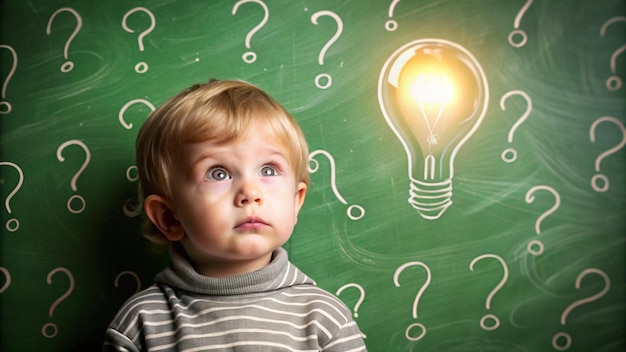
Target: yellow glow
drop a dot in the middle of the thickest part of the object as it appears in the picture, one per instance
(431, 88)
(435, 95)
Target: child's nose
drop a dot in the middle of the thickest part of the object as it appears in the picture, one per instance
(249, 193)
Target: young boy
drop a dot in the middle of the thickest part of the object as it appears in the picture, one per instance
(224, 171)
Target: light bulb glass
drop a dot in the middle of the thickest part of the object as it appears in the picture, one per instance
(433, 94)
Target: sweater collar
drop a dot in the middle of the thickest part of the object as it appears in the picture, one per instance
(279, 273)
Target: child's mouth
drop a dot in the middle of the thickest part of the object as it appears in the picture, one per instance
(251, 223)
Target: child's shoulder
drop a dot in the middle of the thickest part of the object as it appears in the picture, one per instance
(313, 295)
(152, 297)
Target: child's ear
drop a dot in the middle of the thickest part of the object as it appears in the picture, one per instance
(160, 212)
(300, 195)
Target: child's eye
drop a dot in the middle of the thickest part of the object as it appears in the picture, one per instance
(269, 170)
(218, 174)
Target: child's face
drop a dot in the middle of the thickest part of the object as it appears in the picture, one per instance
(237, 201)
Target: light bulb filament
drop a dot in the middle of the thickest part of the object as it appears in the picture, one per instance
(432, 89)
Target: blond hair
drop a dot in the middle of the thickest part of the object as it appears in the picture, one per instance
(217, 111)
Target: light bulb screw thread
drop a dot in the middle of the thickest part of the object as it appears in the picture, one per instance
(430, 199)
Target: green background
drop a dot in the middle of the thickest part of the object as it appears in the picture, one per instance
(563, 67)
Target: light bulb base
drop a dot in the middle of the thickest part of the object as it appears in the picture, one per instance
(430, 199)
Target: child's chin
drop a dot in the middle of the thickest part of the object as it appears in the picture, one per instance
(254, 245)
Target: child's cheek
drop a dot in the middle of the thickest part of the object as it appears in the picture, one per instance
(275, 183)
(278, 186)
(215, 190)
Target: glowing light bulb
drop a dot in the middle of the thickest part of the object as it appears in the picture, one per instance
(433, 94)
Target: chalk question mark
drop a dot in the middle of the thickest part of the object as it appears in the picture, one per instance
(131, 274)
(7, 275)
(5, 106)
(360, 212)
(493, 292)
(13, 224)
(141, 67)
(331, 41)
(568, 310)
(509, 155)
(76, 175)
(120, 115)
(361, 297)
(359, 301)
(45, 329)
(592, 136)
(392, 25)
(396, 275)
(131, 210)
(68, 65)
(250, 56)
(613, 83)
(517, 31)
(530, 197)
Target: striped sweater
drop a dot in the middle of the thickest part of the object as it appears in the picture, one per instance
(277, 308)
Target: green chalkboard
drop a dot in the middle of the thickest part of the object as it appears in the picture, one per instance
(506, 233)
